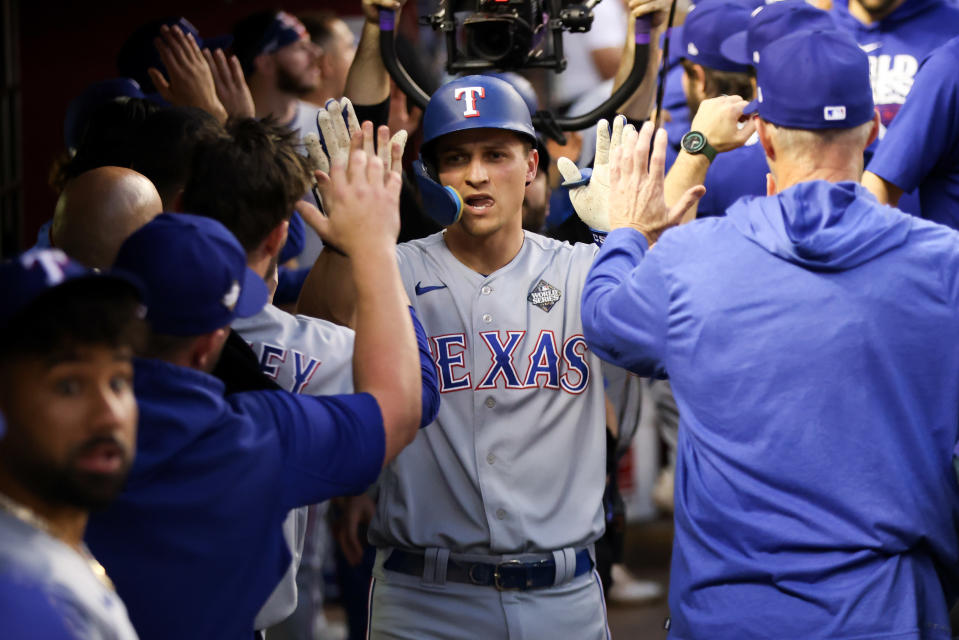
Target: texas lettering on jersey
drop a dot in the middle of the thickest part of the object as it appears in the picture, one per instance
(547, 365)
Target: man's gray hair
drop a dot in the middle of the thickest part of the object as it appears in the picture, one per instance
(806, 146)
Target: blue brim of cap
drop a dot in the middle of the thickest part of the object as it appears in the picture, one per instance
(751, 108)
(734, 47)
(253, 295)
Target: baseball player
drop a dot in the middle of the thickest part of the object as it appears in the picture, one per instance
(484, 525)
(67, 337)
(902, 162)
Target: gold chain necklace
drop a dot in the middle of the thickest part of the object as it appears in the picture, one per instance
(27, 516)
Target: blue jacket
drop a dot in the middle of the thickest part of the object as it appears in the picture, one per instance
(812, 343)
(194, 544)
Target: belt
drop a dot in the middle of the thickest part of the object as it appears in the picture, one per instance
(510, 575)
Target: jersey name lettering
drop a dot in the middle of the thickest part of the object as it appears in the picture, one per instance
(303, 367)
(547, 365)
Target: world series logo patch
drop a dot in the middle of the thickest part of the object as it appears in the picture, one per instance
(544, 295)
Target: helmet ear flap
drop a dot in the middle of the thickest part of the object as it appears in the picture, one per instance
(442, 204)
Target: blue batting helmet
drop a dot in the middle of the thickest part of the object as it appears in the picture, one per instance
(476, 102)
(470, 102)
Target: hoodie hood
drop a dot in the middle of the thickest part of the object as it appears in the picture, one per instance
(906, 11)
(820, 225)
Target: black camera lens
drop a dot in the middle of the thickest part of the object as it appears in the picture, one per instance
(502, 40)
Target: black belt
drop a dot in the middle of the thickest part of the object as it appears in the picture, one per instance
(510, 575)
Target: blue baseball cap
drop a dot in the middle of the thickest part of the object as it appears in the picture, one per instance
(24, 278)
(92, 98)
(195, 274)
(476, 102)
(706, 26)
(772, 22)
(813, 80)
(139, 53)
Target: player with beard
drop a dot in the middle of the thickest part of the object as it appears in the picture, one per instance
(279, 62)
(66, 371)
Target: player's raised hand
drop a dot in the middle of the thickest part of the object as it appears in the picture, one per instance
(722, 121)
(636, 197)
(362, 203)
(231, 86)
(190, 80)
(590, 196)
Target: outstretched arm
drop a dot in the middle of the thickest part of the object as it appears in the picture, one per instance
(368, 81)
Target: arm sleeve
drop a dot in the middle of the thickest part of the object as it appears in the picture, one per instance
(376, 113)
(327, 446)
(431, 390)
(926, 129)
(625, 305)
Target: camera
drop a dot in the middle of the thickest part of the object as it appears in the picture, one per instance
(487, 35)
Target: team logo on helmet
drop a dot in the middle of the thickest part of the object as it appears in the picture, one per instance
(469, 95)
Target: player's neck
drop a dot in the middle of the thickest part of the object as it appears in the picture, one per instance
(485, 254)
(268, 100)
(67, 523)
(868, 17)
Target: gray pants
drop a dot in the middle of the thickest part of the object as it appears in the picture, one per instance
(404, 607)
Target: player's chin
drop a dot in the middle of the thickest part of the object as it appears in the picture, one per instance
(96, 490)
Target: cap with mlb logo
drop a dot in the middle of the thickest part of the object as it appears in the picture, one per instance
(813, 80)
(194, 272)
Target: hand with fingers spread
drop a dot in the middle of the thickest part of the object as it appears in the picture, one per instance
(721, 120)
(190, 80)
(231, 87)
(371, 8)
(636, 197)
(591, 198)
(362, 203)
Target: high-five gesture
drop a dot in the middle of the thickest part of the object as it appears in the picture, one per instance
(636, 185)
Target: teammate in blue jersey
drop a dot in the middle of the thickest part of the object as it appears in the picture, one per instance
(896, 35)
(67, 337)
(921, 147)
(216, 476)
(810, 340)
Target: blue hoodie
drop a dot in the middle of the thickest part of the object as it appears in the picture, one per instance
(812, 342)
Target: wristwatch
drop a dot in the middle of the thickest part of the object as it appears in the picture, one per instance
(694, 142)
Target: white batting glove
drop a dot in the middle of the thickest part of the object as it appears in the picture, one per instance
(591, 197)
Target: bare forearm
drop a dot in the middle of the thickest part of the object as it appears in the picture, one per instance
(368, 81)
(385, 356)
(885, 191)
(639, 106)
(328, 292)
(687, 171)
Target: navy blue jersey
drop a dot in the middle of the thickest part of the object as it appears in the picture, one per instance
(194, 543)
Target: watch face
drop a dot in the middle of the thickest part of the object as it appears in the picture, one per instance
(693, 142)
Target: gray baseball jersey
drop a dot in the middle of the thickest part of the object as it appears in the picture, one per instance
(89, 609)
(303, 355)
(515, 461)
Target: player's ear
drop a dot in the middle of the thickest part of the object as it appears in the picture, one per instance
(765, 138)
(876, 124)
(532, 163)
(274, 241)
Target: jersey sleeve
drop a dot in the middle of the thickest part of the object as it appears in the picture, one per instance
(625, 305)
(327, 446)
(428, 374)
(926, 129)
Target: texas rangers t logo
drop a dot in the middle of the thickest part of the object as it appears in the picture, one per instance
(470, 93)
